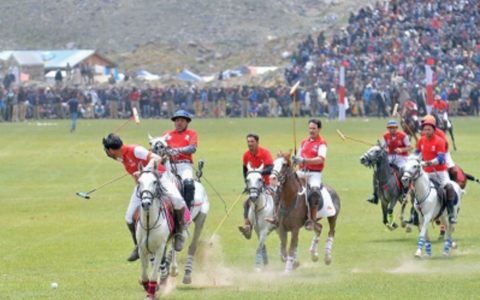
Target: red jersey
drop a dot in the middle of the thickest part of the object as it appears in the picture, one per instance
(311, 149)
(262, 156)
(430, 148)
(179, 140)
(134, 96)
(399, 140)
(440, 134)
(411, 107)
(440, 105)
(132, 155)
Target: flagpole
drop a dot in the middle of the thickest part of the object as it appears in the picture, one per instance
(293, 94)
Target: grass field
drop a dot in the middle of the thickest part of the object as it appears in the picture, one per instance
(47, 234)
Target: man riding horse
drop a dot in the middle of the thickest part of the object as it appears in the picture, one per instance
(311, 161)
(255, 156)
(433, 150)
(131, 156)
(398, 146)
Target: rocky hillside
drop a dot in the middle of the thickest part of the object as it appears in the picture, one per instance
(163, 35)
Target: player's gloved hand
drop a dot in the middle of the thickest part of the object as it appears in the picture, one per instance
(298, 160)
(173, 152)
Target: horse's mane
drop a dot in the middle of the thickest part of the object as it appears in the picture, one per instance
(286, 156)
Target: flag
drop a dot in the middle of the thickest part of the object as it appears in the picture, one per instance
(429, 83)
(342, 107)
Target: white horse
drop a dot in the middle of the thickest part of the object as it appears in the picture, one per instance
(198, 213)
(261, 208)
(428, 205)
(153, 231)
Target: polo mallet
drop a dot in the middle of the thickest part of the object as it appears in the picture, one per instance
(395, 109)
(472, 178)
(224, 219)
(293, 94)
(345, 137)
(86, 195)
(133, 117)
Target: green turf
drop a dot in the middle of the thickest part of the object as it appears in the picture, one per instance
(47, 234)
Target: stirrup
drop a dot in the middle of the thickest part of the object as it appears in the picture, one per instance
(309, 225)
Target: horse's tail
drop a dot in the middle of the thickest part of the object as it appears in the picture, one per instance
(472, 178)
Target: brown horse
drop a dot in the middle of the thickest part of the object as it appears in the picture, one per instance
(292, 212)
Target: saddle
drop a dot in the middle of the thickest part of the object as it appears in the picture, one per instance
(442, 196)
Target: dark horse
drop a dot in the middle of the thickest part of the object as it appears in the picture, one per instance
(292, 212)
(386, 182)
(445, 125)
(410, 125)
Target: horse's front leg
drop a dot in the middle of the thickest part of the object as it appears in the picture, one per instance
(423, 221)
(144, 264)
(315, 241)
(282, 233)
(292, 263)
(260, 248)
(199, 222)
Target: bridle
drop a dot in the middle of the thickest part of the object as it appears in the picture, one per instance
(152, 196)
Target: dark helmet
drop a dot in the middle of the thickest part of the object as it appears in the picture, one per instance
(182, 114)
(112, 141)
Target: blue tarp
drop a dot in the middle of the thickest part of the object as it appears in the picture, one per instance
(187, 75)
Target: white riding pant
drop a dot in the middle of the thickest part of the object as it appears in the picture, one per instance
(172, 193)
(449, 160)
(184, 170)
(398, 160)
(314, 179)
(441, 177)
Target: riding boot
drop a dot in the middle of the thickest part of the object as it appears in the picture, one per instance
(134, 255)
(310, 224)
(246, 229)
(450, 204)
(179, 226)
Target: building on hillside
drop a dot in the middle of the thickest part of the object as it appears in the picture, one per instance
(35, 64)
(23, 64)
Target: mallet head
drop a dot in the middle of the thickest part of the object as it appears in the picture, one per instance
(83, 195)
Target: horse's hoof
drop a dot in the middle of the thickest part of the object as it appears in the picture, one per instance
(427, 255)
(296, 264)
(408, 229)
(258, 270)
(328, 259)
(446, 254)
(173, 272)
(163, 282)
(144, 284)
(187, 279)
(403, 224)
(418, 253)
(314, 256)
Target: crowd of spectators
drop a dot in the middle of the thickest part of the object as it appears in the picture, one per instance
(384, 48)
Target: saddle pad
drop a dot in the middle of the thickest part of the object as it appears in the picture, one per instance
(328, 208)
(168, 208)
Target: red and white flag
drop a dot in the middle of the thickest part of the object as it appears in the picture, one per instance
(429, 82)
(342, 103)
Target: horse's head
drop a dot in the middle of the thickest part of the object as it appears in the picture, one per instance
(254, 182)
(373, 155)
(280, 167)
(158, 145)
(149, 186)
(412, 170)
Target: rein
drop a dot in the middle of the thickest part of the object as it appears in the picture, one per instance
(156, 195)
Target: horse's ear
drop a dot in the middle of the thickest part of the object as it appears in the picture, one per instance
(140, 167)
(150, 139)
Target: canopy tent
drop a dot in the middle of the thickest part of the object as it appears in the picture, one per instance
(187, 75)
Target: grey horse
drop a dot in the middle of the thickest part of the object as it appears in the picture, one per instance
(386, 181)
